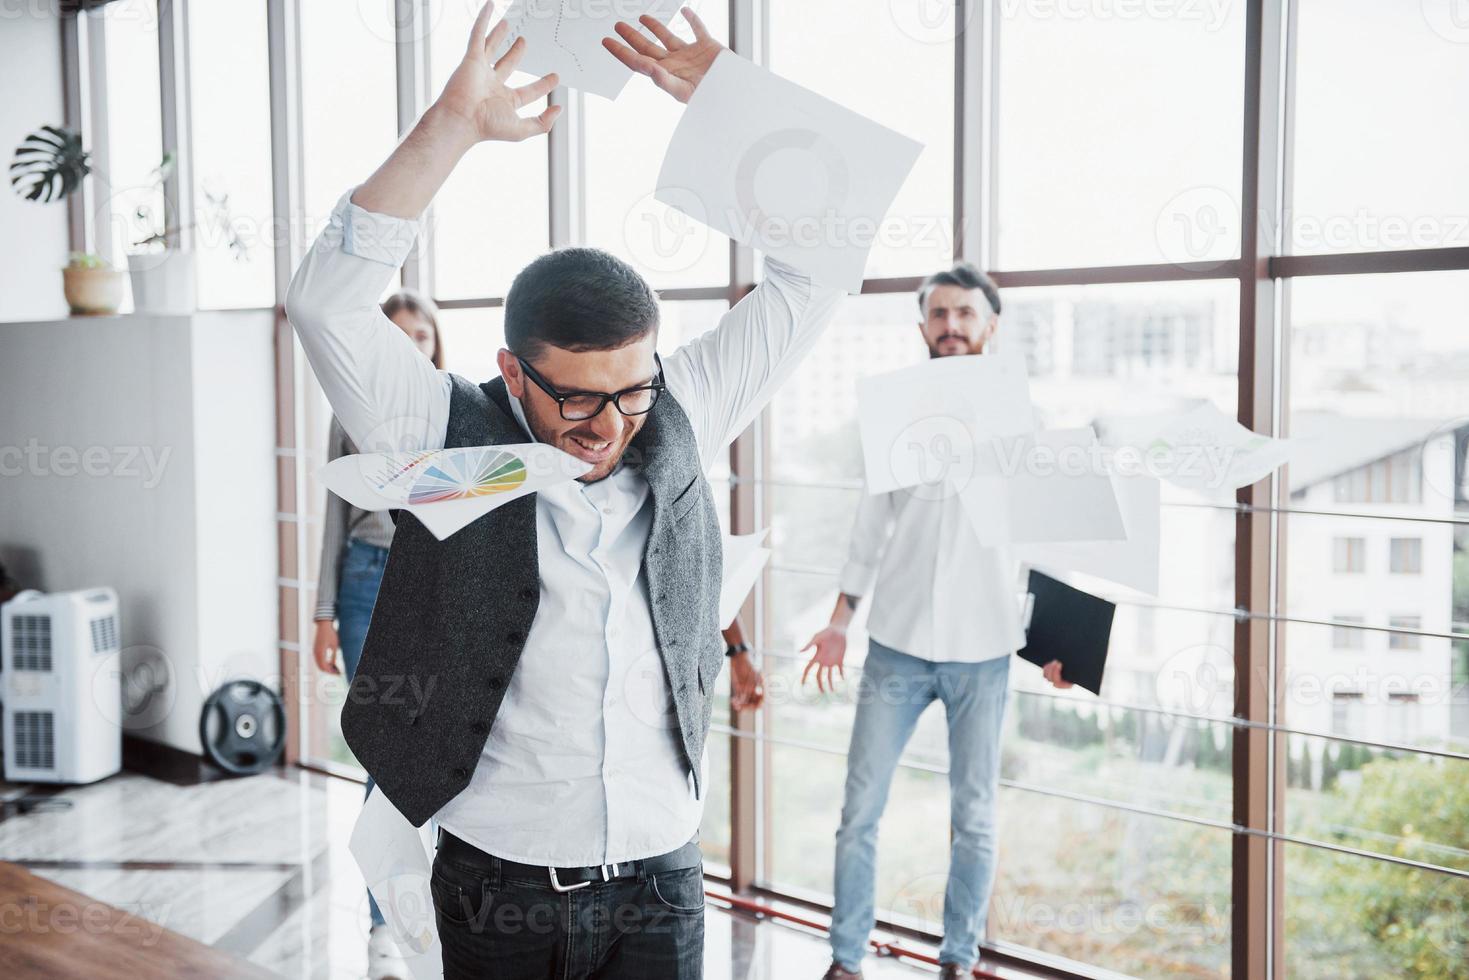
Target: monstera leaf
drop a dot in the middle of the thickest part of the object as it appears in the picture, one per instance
(49, 164)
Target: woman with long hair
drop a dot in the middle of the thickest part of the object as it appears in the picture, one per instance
(354, 552)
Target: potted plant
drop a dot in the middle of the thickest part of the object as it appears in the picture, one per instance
(162, 273)
(163, 277)
(50, 164)
(92, 286)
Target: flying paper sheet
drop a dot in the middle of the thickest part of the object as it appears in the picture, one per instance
(779, 168)
(744, 557)
(1041, 487)
(447, 489)
(925, 425)
(565, 36)
(1133, 562)
(1202, 449)
(394, 858)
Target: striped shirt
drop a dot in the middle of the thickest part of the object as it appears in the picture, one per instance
(344, 522)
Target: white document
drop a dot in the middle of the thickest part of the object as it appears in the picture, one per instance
(782, 169)
(1042, 487)
(744, 556)
(1202, 449)
(925, 425)
(1133, 562)
(565, 36)
(448, 489)
(396, 859)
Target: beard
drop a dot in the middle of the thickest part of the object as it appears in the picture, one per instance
(944, 346)
(562, 440)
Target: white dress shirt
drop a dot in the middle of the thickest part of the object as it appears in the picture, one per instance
(937, 593)
(583, 765)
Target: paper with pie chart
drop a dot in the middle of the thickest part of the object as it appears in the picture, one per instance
(447, 489)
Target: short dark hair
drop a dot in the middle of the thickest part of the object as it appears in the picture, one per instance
(965, 275)
(577, 299)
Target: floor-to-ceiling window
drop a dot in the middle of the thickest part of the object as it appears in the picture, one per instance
(1253, 203)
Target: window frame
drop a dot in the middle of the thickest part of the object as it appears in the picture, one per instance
(1262, 273)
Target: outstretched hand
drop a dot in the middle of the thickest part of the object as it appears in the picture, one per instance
(675, 65)
(477, 97)
(831, 651)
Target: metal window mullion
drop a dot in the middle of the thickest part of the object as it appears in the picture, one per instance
(1258, 763)
(566, 162)
(286, 144)
(74, 65)
(283, 35)
(975, 112)
(175, 118)
(411, 71)
(745, 796)
(94, 97)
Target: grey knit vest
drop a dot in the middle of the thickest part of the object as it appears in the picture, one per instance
(452, 616)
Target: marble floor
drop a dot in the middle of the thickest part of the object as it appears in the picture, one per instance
(259, 867)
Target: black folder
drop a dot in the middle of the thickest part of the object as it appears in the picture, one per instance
(1071, 626)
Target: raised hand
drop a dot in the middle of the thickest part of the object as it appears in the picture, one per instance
(477, 97)
(676, 66)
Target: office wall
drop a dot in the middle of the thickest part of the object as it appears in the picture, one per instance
(32, 236)
(138, 452)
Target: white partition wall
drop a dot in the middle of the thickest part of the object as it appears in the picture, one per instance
(139, 455)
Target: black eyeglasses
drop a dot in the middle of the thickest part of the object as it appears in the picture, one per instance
(578, 406)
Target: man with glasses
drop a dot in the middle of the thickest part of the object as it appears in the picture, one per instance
(566, 644)
(943, 622)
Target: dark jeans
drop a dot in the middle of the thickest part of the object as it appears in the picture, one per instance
(510, 927)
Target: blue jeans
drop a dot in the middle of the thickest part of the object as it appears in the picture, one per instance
(362, 573)
(894, 690)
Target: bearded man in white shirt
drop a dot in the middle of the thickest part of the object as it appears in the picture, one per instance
(559, 654)
(943, 622)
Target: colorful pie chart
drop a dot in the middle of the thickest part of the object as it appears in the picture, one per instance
(457, 474)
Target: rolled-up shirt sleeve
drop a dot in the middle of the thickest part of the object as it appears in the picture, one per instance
(385, 393)
(870, 533)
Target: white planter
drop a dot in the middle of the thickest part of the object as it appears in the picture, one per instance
(163, 282)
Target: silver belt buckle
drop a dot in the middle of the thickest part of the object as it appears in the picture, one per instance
(556, 885)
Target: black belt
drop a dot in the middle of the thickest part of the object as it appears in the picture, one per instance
(462, 852)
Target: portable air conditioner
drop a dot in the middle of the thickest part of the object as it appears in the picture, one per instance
(63, 691)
